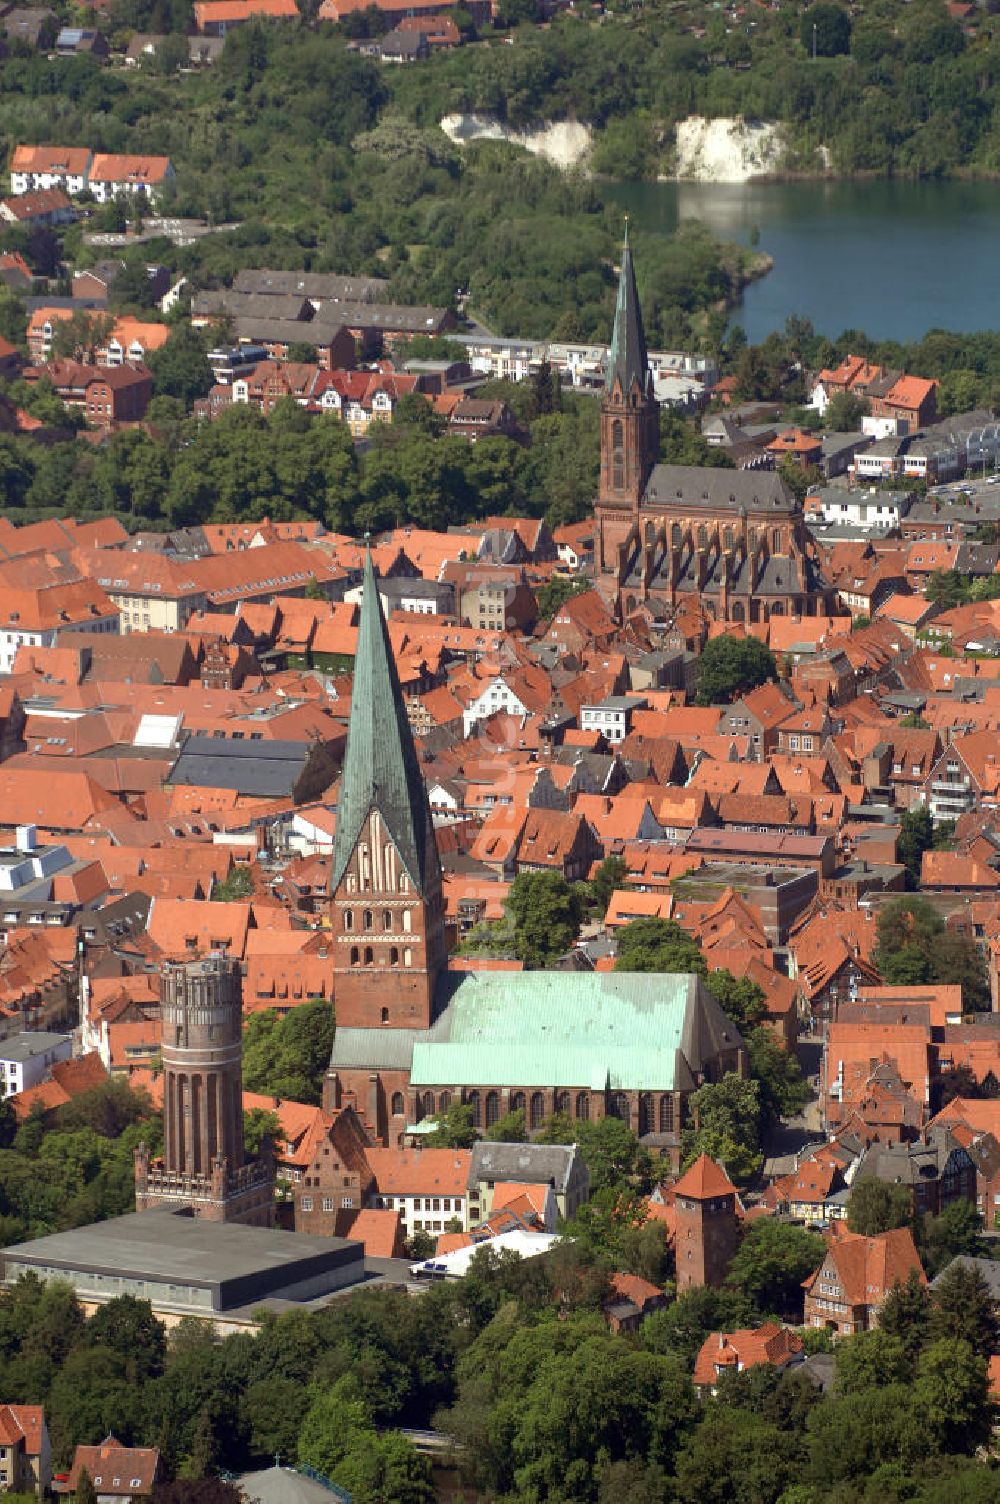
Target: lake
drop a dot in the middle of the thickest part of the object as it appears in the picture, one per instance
(892, 259)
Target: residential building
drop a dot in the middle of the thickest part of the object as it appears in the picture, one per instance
(112, 176)
(25, 1452)
(558, 1166)
(735, 1352)
(856, 1275)
(427, 1187)
(214, 18)
(33, 615)
(26, 1059)
(119, 1474)
(39, 167)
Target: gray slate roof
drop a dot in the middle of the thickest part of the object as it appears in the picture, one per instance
(281, 1485)
(531, 1164)
(267, 769)
(698, 486)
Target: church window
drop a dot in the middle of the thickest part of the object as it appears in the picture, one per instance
(727, 537)
(582, 1106)
(354, 955)
(517, 1101)
(387, 919)
(428, 1104)
(562, 1101)
(666, 1114)
(647, 1122)
(676, 535)
(475, 1105)
(397, 1096)
(618, 1107)
(407, 956)
(444, 1101)
(385, 1015)
(369, 955)
(394, 955)
(537, 1109)
(348, 919)
(364, 862)
(703, 536)
(492, 1108)
(407, 921)
(404, 883)
(367, 919)
(776, 540)
(617, 434)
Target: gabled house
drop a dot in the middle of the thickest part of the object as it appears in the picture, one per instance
(734, 1352)
(846, 1291)
(25, 1453)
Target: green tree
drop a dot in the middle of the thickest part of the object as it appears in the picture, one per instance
(952, 1389)
(681, 1328)
(336, 1422)
(658, 945)
(870, 1360)
(128, 1327)
(271, 1410)
(825, 28)
(730, 666)
(725, 1125)
(86, 1493)
(916, 835)
(288, 1056)
(962, 1309)
(180, 367)
(772, 1261)
(844, 410)
(509, 1129)
(239, 884)
(905, 1313)
(735, 1458)
(259, 1124)
(913, 947)
(386, 1469)
(877, 1206)
(455, 1128)
(742, 999)
(610, 876)
(301, 350)
(560, 589)
(784, 1090)
(547, 912)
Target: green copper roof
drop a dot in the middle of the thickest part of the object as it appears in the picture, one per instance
(605, 1030)
(381, 768)
(628, 360)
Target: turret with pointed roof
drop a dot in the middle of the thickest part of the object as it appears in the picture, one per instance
(705, 1220)
(385, 882)
(630, 428)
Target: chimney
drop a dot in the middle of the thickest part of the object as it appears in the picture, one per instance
(26, 838)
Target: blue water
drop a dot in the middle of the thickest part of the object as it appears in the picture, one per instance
(892, 259)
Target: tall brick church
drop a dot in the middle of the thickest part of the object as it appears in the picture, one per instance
(736, 539)
(413, 1037)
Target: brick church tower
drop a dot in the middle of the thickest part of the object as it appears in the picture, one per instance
(386, 905)
(707, 1231)
(203, 1165)
(630, 424)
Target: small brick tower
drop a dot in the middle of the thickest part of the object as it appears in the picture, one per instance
(386, 907)
(707, 1229)
(203, 1165)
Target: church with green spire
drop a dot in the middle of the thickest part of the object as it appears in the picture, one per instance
(730, 544)
(413, 1037)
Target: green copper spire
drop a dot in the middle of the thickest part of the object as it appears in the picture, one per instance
(381, 769)
(627, 359)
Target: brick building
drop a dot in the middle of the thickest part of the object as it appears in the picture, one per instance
(736, 541)
(412, 1038)
(706, 1227)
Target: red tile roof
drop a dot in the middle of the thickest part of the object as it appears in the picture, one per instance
(704, 1180)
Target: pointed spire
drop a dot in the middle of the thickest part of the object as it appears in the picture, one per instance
(381, 768)
(628, 360)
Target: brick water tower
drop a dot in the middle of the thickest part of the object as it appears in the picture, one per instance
(204, 1166)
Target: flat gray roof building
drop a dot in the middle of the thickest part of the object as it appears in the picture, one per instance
(186, 1264)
